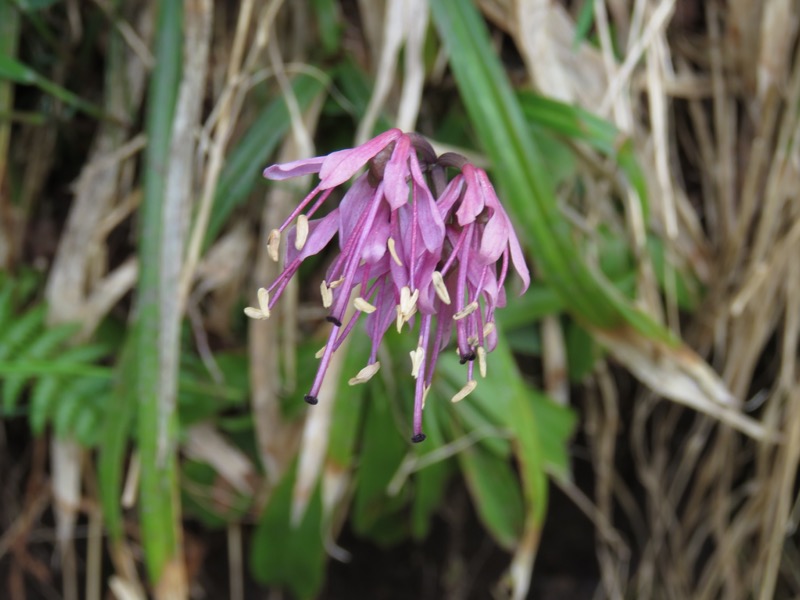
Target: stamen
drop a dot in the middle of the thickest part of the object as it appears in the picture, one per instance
(425, 391)
(302, 232)
(408, 301)
(310, 399)
(417, 358)
(393, 251)
(407, 306)
(327, 295)
(363, 305)
(334, 320)
(320, 352)
(254, 313)
(466, 311)
(465, 391)
(488, 329)
(334, 284)
(482, 361)
(417, 438)
(263, 300)
(472, 340)
(274, 244)
(262, 312)
(365, 374)
(440, 287)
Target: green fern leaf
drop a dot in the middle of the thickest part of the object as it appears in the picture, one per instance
(51, 338)
(86, 428)
(20, 331)
(43, 398)
(6, 304)
(41, 347)
(88, 354)
(12, 388)
(84, 394)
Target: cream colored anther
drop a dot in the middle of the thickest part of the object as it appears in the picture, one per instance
(262, 312)
(274, 244)
(393, 251)
(440, 287)
(417, 358)
(465, 391)
(363, 306)
(482, 361)
(466, 311)
(327, 295)
(407, 306)
(301, 232)
(365, 374)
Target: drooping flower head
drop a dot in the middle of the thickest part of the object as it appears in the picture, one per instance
(410, 241)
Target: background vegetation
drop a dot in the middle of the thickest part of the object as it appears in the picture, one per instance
(637, 435)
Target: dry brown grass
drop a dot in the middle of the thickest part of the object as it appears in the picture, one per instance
(711, 101)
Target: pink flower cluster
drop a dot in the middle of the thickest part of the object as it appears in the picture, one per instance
(410, 241)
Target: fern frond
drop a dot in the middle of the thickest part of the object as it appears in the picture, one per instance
(43, 398)
(50, 339)
(20, 331)
(86, 427)
(81, 395)
(6, 304)
(88, 354)
(42, 347)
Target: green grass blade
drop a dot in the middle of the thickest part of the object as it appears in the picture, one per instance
(583, 126)
(571, 121)
(159, 499)
(114, 441)
(584, 22)
(500, 125)
(13, 70)
(329, 25)
(501, 128)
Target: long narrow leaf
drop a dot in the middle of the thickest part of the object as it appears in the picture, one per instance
(159, 508)
(500, 124)
(15, 71)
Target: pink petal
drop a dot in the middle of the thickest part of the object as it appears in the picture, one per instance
(430, 222)
(381, 320)
(487, 280)
(494, 238)
(352, 206)
(340, 166)
(396, 173)
(375, 245)
(320, 233)
(518, 259)
(449, 196)
(473, 202)
(294, 169)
